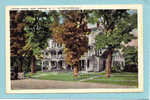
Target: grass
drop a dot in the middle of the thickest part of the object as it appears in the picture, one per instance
(124, 78)
(120, 80)
(59, 76)
(52, 76)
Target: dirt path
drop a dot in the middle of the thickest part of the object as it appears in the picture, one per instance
(52, 84)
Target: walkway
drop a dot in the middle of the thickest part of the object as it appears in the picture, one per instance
(52, 84)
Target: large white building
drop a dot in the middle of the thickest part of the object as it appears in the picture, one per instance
(92, 60)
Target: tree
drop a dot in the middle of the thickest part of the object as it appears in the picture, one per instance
(115, 27)
(17, 38)
(72, 34)
(130, 54)
(37, 25)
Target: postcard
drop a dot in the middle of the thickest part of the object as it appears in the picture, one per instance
(74, 49)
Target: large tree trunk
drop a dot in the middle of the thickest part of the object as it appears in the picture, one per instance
(108, 62)
(33, 65)
(75, 70)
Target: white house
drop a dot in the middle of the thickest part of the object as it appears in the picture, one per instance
(91, 61)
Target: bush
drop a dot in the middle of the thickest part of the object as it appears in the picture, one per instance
(131, 68)
(116, 69)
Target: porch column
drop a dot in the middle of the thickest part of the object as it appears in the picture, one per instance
(81, 63)
(56, 63)
(50, 55)
(49, 67)
(86, 69)
(42, 66)
(121, 64)
(57, 54)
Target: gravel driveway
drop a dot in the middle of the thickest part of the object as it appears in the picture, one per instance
(52, 84)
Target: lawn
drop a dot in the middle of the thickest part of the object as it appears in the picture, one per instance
(51, 76)
(123, 78)
(129, 80)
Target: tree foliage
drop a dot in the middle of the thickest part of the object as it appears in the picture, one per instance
(131, 55)
(17, 39)
(37, 32)
(115, 27)
(37, 25)
(72, 34)
(17, 33)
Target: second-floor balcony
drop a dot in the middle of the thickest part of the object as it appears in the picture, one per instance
(54, 56)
